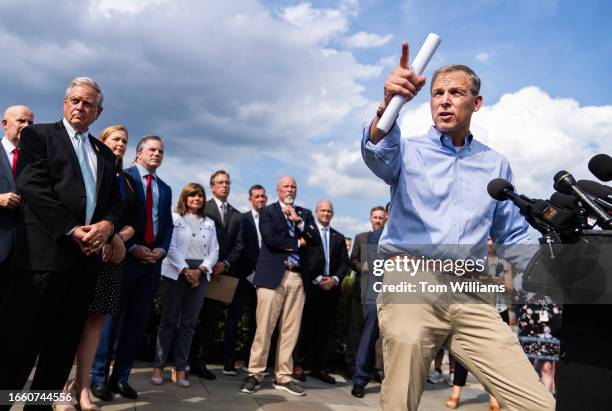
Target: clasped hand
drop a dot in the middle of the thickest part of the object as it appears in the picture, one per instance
(193, 275)
(91, 238)
(145, 255)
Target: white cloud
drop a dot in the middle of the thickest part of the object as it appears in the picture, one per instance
(208, 75)
(108, 7)
(350, 226)
(366, 40)
(483, 57)
(322, 25)
(341, 172)
(539, 134)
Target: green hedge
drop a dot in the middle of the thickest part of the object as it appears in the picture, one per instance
(337, 340)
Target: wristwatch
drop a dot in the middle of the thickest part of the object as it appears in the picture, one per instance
(380, 111)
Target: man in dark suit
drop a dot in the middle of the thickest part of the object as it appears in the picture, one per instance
(15, 119)
(358, 262)
(326, 264)
(122, 332)
(66, 178)
(245, 292)
(228, 224)
(370, 333)
(287, 232)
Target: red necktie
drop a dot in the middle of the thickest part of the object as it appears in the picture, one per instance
(15, 157)
(149, 227)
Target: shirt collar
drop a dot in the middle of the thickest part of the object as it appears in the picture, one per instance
(446, 141)
(219, 202)
(8, 145)
(144, 172)
(71, 131)
(322, 226)
(254, 213)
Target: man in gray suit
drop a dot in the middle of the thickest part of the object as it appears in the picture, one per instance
(15, 119)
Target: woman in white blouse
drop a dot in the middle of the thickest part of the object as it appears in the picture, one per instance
(186, 270)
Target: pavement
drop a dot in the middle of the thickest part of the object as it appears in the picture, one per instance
(223, 394)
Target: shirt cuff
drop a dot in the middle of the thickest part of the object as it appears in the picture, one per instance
(336, 279)
(317, 280)
(69, 233)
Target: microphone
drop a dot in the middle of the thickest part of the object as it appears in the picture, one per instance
(542, 215)
(571, 203)
(601, 194)
(566, 184)
(601, 167)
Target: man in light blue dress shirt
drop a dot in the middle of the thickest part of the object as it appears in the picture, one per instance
(439, 203)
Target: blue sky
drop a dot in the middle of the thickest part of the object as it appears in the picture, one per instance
(268, 88)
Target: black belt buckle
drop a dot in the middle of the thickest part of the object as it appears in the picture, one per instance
(291, 267)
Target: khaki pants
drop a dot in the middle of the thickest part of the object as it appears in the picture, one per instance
(475, 335)
(286, 302)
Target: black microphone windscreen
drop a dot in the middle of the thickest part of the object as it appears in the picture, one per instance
(601, 167)
(564, 200)
(596, 189)
(497, 187)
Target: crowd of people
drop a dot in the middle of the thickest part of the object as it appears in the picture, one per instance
(87, 243)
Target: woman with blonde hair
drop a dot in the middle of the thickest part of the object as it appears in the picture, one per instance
(186, 270)
(105, 298)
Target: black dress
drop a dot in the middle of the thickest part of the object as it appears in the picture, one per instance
(105, 298)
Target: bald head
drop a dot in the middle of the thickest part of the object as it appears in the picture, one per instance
(286, 189)
(324, 212)
(15, 119)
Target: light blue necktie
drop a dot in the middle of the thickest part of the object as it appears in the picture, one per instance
(325, 251)
(88, 178)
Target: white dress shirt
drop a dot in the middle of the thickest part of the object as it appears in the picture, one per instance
(8, 148)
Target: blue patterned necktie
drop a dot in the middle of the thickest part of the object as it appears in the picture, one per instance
(325, 250)
(294, 258)
(88, 178)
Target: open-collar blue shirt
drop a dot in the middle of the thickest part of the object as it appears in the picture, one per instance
(439, 193)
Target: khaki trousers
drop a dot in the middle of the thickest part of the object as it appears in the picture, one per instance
(283, 304)
(475, 335)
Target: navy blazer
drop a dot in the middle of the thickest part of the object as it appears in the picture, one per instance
(277, 244)
(250, 252)
(164, 222)
(8, 218)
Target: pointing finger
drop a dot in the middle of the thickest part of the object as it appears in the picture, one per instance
(405, 54)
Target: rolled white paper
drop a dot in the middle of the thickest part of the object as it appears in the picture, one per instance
(418, 65)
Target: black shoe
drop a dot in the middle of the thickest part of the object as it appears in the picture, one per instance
(101, 390)
(250, 385)
(358, 391)
(124, 389)
(291, 387)
(231, 371)
(323, 376)
(202, 371)
(379, 376)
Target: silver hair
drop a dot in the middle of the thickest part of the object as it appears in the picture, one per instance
(475, 89)
(86, 81)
